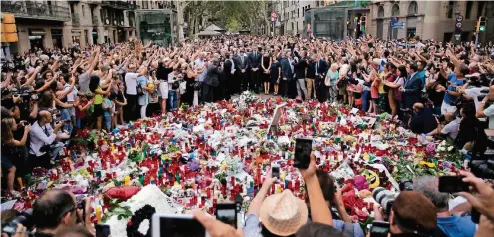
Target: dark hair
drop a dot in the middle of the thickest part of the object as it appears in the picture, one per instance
(413, 66)
(464, 70)
(94, 83)
(265, 233)
(386, 53)
(403, 71)
(73, 231)
(50, 207)
(315, 229)
(326, 182)
(46, 99)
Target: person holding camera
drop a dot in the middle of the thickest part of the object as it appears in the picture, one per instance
(448, 224)
(333, 198)
(12, 151)
(486, 109)
(57, 209)
(411, 215)
(42, 136)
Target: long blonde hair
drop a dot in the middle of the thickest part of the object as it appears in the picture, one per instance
(7, 125)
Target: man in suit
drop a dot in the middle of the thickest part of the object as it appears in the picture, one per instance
(211, 80)
(321, 71)
(236, 77)
(412, 88)
(254, 65)
(243, 66)
(228, 71)
(286, 74)
(300, 64)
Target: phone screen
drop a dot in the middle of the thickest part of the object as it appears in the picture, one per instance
(227, 213)
(452, 184)
(180, 227)
(303, 148)
(275, 172)
(102, 230)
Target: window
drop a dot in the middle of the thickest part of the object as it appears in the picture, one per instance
(83, 10)
(303, 11)
(451, 6)
(395, 11)
(411, 32)
(480, 8)
(380, 12)
(412, 8)
(468, 13)
(298, 12)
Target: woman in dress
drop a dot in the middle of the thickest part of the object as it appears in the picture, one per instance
(275, 74)
(266, 67)
(190, 79)
(394, 94)
(330, 83)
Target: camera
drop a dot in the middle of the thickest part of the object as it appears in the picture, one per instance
(23, 218)
(482, 168)
(384, 197)
(406, 185)
(25, 93)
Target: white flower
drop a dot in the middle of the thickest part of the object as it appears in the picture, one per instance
(450, 148)
(440, 148)
(144, 227)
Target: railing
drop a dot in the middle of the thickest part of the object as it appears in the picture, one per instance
(36, 10)
(119, 4)
(75, 19)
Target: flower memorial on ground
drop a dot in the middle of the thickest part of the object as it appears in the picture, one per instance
(197, 157)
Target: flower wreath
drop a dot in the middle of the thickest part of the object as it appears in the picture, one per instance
(145, 213)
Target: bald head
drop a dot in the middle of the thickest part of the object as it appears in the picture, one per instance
(53, 209)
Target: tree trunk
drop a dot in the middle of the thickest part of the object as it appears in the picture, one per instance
(180, 20)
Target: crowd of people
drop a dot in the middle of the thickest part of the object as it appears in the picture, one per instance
(437, 89)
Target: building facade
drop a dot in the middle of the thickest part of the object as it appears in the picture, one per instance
(40, 24)
(428, 19)
(48, 24)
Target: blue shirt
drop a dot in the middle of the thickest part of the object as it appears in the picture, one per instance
(449, 99)
(422, 76)
(456, 226)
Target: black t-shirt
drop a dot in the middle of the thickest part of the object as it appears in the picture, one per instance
(38, 234)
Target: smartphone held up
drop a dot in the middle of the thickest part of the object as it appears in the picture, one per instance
(303, 148)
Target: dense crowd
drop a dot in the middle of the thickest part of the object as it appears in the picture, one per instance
(436, 89)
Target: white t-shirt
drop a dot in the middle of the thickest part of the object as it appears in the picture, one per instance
(131, 82)
(489, 112)
(451, 128)
(84, 80)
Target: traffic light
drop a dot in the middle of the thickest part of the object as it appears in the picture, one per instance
(362, 22)
(9, 30)
(481, 24)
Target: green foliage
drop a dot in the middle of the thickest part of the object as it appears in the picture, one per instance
(119, 209)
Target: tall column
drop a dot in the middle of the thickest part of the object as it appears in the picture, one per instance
(90, 36)
(101, 35)
(432, 20)
(99, 26)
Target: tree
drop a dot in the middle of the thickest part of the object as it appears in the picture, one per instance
(227, 13)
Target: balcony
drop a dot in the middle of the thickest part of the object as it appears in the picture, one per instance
(119, 5)
(36, 10)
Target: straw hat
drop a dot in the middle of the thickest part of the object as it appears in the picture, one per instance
(283, 213)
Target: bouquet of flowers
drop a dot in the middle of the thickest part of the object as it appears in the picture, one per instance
(447, 151)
